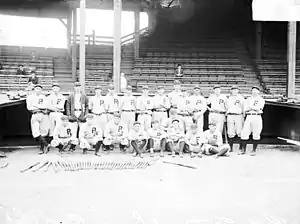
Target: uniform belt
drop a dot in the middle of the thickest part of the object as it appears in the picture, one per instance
(112, 112)
(185, 115)
(233, 114)
(253, 114)
(99, 113)
(160, 110)
(38, 112)
(144, 112)
(218, 112)
(63, 137)
(128, 110)
(175, 107)
(77, 109)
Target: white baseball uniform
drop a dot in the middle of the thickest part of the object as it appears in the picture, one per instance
(63, 135)
(89, 135)
(199, 107)
(128, 108)
(113, 105)
(161, 103)
(56, 104)
(235, 117)
(115, 133)
(98, 106)
(218, 109)
(144, 108)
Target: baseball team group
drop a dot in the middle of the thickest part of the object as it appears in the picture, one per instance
(161, 123)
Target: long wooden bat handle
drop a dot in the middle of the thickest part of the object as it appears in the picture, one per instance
(179, 164)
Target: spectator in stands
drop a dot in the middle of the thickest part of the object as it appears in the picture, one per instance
(33, 79)
(123, 82)
(21, 70)
(1, 66)
(179, 71)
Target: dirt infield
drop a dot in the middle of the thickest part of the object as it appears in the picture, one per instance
(238, 189)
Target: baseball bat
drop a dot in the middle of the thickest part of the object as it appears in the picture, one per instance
(30, 167)
(40, 167)
(290, 141)
(48, 166)
(225, 132)
(182, 165)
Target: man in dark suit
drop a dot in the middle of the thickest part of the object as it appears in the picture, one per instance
(21, 70)
(77, 107)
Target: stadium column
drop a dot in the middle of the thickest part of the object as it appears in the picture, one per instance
(69, 26)
(258, 40)
(117, 44)
(136, 33)
(74, 48)
(292, 37)
(82, 45)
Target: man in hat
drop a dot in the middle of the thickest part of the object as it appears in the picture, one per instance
(113, 102)
(218, 107)
(175, 139)
(144, 109)
(157, 138)
(185, 110)
(235, 116)
(21, 70)
(193, 141)
(199, 107)
(253, 109)
(90, 135)
(175, 95)
(161, 104)
(138, 139)
(128, 108)
(213, 141)
(63, 137)
(40, 125)
(33, 79)
(98, 107)
(115, 134)
(56, 106)
(77, 107)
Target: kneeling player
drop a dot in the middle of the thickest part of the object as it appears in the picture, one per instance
(115, 134)
(213, 142)
(193, 141)
(138, 139)
(157, 138)
(175, 139)
(90, 135)
(63, 136)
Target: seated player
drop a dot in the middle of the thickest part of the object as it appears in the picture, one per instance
(115, 134)
(213, 142)
(193, 141)
(138, 139)
(63, 136)
(167, 123)
(90, 135)
(157, 139)
(175, 139)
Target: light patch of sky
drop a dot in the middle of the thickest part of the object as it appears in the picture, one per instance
(46, 32)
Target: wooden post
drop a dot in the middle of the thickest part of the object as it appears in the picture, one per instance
(94, 37)
(117, 44)
(258, 40)
(69, 27)
(292, 38)
(136, 34)
(74, 46)
(82, 45)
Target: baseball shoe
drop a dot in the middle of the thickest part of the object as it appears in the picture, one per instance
(181, 155)
(84, 151)
(252, 153)
(199, 155)
(161, 154)
(141, 156)
(193, 155)
(173, 154)
(241, 153)
(97, 154)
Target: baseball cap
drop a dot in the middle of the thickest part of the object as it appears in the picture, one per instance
(216, 86)
(175, 120)
(64, 118)
(38, 85)
(32, 71)
(177, 82)
(155, 122)
(212, 123)
(160, 87)
(234, 87)
(136, 122)
(145, 87)
(77, 84)
(173, 111)
(55, 84)
(255, 87)
(196, 87)
(111, 86)
(90, 116)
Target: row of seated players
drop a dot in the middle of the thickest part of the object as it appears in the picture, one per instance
(188, 109)
(173, 139)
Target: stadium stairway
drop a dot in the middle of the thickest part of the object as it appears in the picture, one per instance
(63, 73)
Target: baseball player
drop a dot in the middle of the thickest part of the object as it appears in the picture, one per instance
(193, 141)
(161, 104)
(173, 116)
(185, 110)
(113, 103)
(138, 139)
(40, 124)
(144, 109)
(98, 107)
(235, 116)
(218, 107)
(56, 106)
(157, 138)
(115, 134)
(175, 139)
(254, 106)
(175, 95)
(63, 136)
(199, 108)
(213, 141)
(128, 108)
(90, 135)
(77, 107)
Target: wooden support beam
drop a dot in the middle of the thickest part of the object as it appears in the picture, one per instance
(74, 46)
(82, 44)
(63, 22)
(136, 34)
(258, 40)
(291, 77)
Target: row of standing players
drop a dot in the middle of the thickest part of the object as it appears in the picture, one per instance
(115, 116)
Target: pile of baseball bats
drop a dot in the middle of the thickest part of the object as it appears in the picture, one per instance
(71, 165)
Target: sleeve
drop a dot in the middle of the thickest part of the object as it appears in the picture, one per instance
(36, 80)
(49, 103)
(139, 102)
(204, 105)
(145, 135)
(68, 106)
(29, 103)
(226, 103)
(106, 103)
(187, 138)
(260, 105)
(167, 103)
(208, 101)
(243, 104)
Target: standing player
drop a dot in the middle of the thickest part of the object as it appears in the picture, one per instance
(193, 141)
(40, 124)
(218, 107)
(185, 110)
(113, 102)
(98, 107)
(161, 104)
(77, 107)
(90, 135)
(144, 109)
(175, 139)
(254, 106)
(138, 139)
(56, 106)
(128, 108)
(175, 95)
(157, 139)
(235, 116)
(63, 136)
(199, 108)
(115, 134)
(213, 141)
